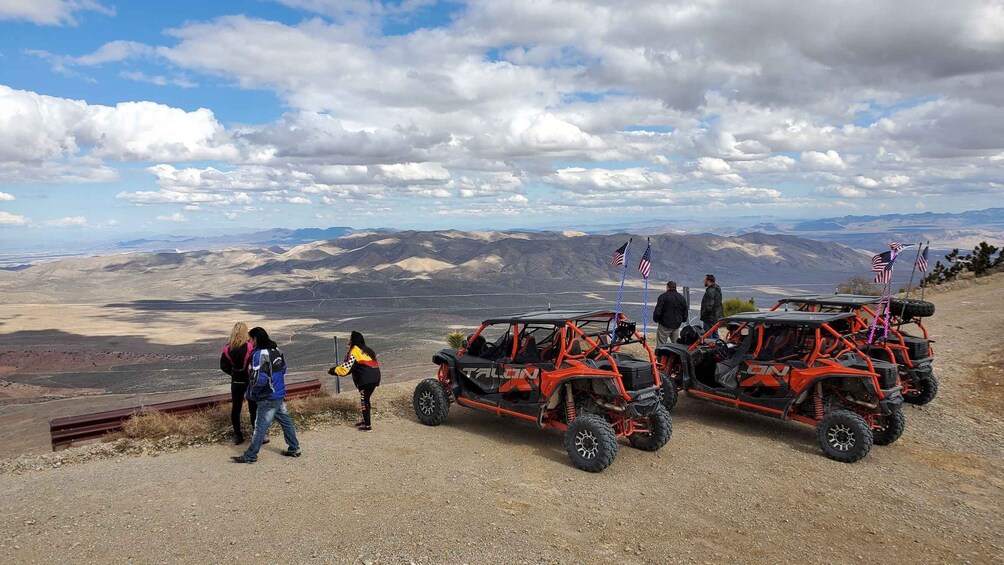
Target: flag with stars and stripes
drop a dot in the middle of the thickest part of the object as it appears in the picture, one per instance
(922, 260)
(882, 266)
(619, 255)
(645, 265)
(897, 247)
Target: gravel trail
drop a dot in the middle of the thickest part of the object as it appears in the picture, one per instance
(729, 487)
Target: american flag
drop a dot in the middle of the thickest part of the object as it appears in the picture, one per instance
(897, 247)
(882, 266)
(645, 265)
(619, 255)
(922, 260)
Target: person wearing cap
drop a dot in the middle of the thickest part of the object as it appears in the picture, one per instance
(670, 313)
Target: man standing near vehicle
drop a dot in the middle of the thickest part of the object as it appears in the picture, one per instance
(670, 312)
(711, 304)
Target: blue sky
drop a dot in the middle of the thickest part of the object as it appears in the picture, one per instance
(133, 118)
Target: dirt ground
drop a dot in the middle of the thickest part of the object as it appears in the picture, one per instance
(729, 487)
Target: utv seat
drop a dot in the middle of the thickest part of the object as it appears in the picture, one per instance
(727, 371)
(528, 353)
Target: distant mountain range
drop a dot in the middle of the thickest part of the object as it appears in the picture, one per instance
(422, 262)
(944, 230)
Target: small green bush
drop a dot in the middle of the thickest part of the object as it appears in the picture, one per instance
(858, 285)
(456, 340)
(736, 305)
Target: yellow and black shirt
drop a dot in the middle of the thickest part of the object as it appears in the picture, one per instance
(364, 369)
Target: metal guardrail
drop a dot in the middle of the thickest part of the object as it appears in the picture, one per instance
(65, 431)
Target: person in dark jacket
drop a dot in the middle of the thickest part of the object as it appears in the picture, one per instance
(361, 362)
(670, 312)
(267, 386)
(711, 304)
(234, 361)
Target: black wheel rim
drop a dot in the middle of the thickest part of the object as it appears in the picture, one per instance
(426, 403)
(840, 437)
(586, 444)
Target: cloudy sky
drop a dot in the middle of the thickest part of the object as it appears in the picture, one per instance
(170, 117)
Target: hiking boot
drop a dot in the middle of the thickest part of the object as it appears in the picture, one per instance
(238, 439)
(365, 428)
(242, 459)
(290, 452)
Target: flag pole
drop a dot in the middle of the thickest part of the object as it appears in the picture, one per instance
(923, 286)
(644, 310)
(620, 293)
(909, 286)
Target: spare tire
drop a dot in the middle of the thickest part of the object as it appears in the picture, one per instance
(910, 308)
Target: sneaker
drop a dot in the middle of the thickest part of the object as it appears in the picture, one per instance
(291, 452)
(238, 439)
(359, 424)
(365, 428)
(242, 459)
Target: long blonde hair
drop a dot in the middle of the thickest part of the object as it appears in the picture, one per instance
(239, 335)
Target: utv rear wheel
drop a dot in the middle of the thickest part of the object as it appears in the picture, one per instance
(430, 402)
(926, 390)
(909, 308)
(660, 425)
(591, 443)
(888, 428)
(844, 436)
(669, 392)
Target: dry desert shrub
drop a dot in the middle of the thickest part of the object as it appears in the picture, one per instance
(151, 424)
(214, 424)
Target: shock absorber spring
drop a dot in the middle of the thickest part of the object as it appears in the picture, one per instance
(818, 401)
(569, 404)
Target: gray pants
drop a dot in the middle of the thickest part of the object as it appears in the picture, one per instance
(666, 335)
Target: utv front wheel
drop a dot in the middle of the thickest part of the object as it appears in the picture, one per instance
(926, 390)
(430, 402)
(889, 428)
(591, 443)
(844, 436)
(660, 425)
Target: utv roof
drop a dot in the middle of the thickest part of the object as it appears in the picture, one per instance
(551, 317)
(813, 319)
(851, 300)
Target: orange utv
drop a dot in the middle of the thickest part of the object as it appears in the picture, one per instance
(794, 366)
(906, 342)
(565, 370)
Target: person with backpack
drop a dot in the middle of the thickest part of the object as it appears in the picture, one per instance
(361, 362)
(267, 387)
(234, 361)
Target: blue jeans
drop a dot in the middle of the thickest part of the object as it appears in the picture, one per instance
(707, 326)
(269, 410)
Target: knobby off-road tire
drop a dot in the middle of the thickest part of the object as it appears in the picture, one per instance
(927, 389)
(910, 308)
(891, 427)
(591, 443)
(669, 392)
(661, 424)
(844, 436)
(430, 402)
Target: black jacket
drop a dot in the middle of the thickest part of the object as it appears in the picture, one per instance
(234, 361)
(670, 310)
(711, 304)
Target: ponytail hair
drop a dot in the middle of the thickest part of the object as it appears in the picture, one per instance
(357, 339)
